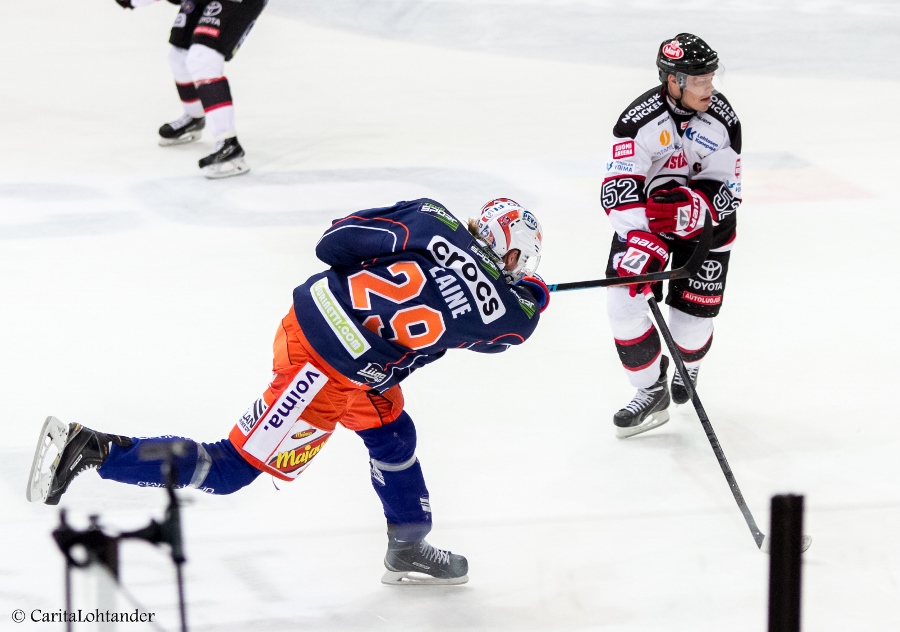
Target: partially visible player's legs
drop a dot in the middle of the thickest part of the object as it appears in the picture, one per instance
(640, 351)
(693, 304)
(189, 126)
(398, 481)
(216, 38)
(66, 450)
(693, 335)
(215, 468)
(207, 68)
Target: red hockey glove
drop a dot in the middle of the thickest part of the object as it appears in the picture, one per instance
(538, 288)
(675, 210)
(646, 253)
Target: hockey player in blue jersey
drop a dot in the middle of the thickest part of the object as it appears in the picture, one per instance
(405, 284)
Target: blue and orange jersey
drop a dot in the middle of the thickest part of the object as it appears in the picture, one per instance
(406, 283)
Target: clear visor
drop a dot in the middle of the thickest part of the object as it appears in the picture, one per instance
(702, 85)
(526, 266)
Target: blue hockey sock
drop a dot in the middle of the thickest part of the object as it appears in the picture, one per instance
(397, 478)
(215, 468)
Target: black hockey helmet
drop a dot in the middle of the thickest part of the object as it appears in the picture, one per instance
(685, 55)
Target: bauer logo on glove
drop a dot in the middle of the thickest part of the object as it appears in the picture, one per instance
(646, 253)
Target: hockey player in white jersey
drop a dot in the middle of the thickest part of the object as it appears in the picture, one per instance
(676, 155)
(205, 35)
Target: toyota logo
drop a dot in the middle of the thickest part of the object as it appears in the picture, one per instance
(213, 8)
(710, 271)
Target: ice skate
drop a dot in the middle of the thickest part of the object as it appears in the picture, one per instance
(648, 408)
(187, 129)
(63, 452)
(419, 563)
(679, 391)
(227, 160)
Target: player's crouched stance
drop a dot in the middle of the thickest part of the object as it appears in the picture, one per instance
(405, 284)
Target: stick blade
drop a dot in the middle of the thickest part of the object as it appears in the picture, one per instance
(766, 547)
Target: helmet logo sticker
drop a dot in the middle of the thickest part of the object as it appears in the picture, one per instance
(672, 50)
(530, 221)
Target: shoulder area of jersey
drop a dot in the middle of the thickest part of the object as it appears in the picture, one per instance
(720, 109)
(640, 111)
(437, 211)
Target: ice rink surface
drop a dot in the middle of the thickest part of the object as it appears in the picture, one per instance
(140, 298)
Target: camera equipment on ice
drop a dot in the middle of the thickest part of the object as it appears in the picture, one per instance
(92, 548)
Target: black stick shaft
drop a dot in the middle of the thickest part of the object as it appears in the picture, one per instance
(704, 420)
(784, 563)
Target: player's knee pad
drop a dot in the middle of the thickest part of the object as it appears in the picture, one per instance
(204, 63)
(693, 334)
(628, 315)
(392, 444)
(690, 332)
(178, 64)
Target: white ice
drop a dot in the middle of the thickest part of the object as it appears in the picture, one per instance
(141, 299)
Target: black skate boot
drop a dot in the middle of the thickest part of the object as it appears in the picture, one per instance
(648, 408)
(185, 130)
(679, 392)
(428, 564)
(77, 448)
(227, 160)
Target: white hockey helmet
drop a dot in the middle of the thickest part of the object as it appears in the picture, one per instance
(504, 226)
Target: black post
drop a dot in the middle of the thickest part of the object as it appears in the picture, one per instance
(784, 563)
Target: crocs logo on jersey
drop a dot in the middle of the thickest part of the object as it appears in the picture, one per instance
(445, 254)
(213, 8)
(673, 50)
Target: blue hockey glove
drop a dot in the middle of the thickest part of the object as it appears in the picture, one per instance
(538, 288)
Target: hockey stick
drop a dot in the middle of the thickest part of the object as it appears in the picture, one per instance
(762, 541)
(691, 266)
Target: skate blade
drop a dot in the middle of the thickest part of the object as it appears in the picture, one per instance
(411, 578)
(228, 169)
(652, 421)
(184, 139)
(54, 434)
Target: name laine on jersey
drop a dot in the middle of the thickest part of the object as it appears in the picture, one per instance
(490, 307)
(638, 112)
(451, 291)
